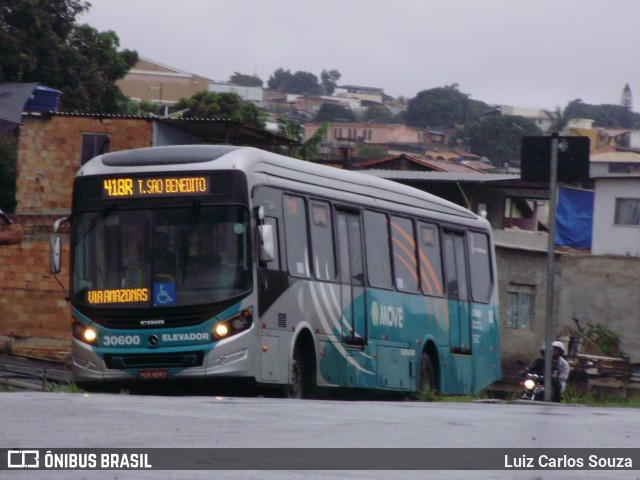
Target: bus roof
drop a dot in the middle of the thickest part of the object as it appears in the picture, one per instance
(276, 168)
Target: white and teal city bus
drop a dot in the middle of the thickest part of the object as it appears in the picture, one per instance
(211, 262)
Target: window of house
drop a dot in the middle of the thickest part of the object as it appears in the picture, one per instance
(93, 144)
(519, 306)
(627, 211)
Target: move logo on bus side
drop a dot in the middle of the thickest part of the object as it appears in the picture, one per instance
(387, 315)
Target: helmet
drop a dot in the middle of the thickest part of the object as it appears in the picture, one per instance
(560, 345)
(556, 344)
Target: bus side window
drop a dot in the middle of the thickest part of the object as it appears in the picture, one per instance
(404, 254)
(430, 259)
(324, 262)
(295, 232)
(376, 239)
(480, 266)
(455, 266)
(275, 263)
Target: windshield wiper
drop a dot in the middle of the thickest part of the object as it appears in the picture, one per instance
(101, 215)
(196, 206)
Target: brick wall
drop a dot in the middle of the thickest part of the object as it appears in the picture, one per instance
(49, 156)
(34, 316)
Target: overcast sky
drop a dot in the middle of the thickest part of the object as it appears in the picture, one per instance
(536, 53)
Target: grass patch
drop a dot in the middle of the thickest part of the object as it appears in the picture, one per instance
(598, 398)
(428, 395)
(61, 387)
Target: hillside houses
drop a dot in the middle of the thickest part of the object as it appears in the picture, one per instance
(597, 285)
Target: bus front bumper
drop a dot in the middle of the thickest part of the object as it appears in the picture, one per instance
(227, 358)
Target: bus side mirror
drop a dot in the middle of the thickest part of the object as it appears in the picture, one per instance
(55, 253)
(60, 224)
(267, 243)
(55, 246)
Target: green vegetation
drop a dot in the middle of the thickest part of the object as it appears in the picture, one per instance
(426, 394)
(571, 396)
(69, 387)
(245, 80)
(498, 137)
(304, 83)
(598, 398)
(40, 41)
(607, 341)
(221, 105)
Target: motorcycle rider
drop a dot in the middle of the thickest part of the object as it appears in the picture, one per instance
(559, 369)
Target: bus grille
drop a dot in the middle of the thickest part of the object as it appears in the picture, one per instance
(160, 360)
(168, 321)
(282, 320)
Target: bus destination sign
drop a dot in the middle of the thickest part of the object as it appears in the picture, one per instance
(129, 187)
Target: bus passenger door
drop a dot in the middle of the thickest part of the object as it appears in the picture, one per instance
(353, 306)
(457, 292)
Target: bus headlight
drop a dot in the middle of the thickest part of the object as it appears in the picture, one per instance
(236, 324)
(83, 333)
(221, 330)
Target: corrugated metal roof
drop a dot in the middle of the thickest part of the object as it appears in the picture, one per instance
(524, 241)
(442, 176)
(216, 129)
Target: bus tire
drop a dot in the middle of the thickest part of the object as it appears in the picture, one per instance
(301, 376)
(427, 379)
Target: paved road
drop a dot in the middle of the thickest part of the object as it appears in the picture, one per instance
(56, 420)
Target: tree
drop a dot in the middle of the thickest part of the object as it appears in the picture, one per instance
(498, 137)
(330, 112)
(223, 105)
(280, 80)
(31, 33)
(559, 119)
(378, 113)
(40, 42)
(294, 131)
(442, 107)
(329, 80)
(94, 65)
(609, 116)
(245, 80)
(303, 83)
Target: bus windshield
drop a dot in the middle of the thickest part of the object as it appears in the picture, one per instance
(191, 255)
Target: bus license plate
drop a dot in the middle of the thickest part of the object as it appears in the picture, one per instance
(153, 374)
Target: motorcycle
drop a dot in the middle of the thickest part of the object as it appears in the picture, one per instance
(532, 387)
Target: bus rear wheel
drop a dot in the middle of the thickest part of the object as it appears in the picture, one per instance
(427, 379)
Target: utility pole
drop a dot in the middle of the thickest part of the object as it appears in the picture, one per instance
(553, 159)
(551, 266)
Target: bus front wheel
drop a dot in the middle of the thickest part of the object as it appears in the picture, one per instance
(301, 377)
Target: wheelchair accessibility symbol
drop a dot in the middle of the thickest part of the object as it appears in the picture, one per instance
(164, 293)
